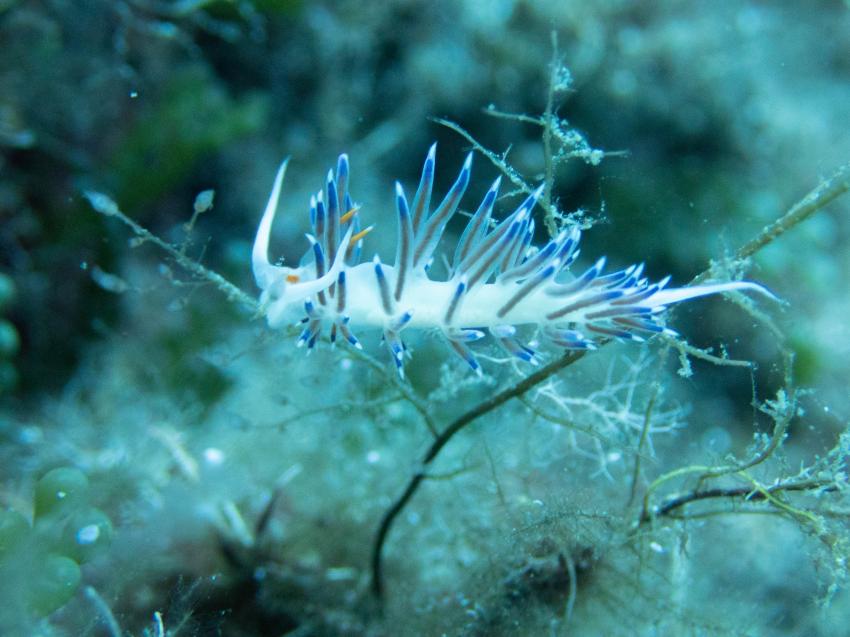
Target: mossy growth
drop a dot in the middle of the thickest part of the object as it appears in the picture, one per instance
(40, 562)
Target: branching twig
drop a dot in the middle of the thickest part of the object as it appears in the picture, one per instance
(824, 193)
(644, 435)
(548, 156)
(747, 492)
(107, 207)
(703, 354)
(782, 410)
(442, 439)
(497, 160)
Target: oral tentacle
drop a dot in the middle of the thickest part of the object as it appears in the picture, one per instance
(300, 291)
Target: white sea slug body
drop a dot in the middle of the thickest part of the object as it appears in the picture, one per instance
(496, 282)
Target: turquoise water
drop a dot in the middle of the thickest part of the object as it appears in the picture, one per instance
(170, 465)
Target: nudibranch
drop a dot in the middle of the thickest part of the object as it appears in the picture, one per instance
(495, 282)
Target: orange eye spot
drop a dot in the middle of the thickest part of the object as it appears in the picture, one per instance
(292, 278)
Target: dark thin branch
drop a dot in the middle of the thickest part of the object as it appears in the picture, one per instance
(442, 439)
(748, 492)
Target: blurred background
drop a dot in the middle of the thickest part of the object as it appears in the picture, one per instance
(189, 417)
